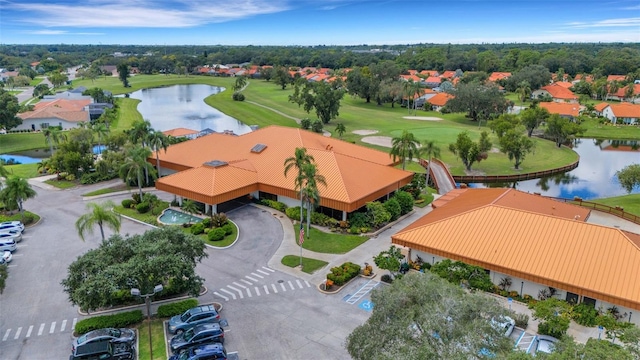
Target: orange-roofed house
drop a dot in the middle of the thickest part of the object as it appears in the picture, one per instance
(557, 92)
(619, 78)
(621, 94)
(623, 113)
(414, 78)
(439, 100)
(567, 110)
(449, 74)
(219, 169)
(181, 132)
(495, 76)
(535, 241)
(61, 112)
(599, 108)
(433, 81)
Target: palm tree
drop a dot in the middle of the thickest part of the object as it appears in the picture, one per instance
(16, 191)
(53, 135)
(407, 90)
(311, 192)
(157, 140)
(241, 81)
(102, 131)
(523, 90)
(98, 214)
(403, 147)
(139, 131)
(340, 129)
(297, 161)
(431, 150)
(190, 207)
(135, 165)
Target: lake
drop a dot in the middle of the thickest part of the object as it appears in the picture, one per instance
(183, 106)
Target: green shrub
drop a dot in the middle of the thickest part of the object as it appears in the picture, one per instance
(197, 228)
(228, 229)
(393, 208)
(216, 234)
(305, 123)
(176, 308)
(294, 213)
(354, 230)
(359, 220)
(116, 321)
(126, 203)
(156, 210)
(70, 177)
(405, 200)
(522, 320)
(143, 207)
(343, 273)
(557, 331)
(219, 220)
(378, 215)
(275, 204)
(238, 96)
(206, 222)
(584, 314)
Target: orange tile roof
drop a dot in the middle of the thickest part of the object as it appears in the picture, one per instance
(621, 93)
(449, 74)
(412, 72)
(587, 259)
(495, 76)
(440, 99)
(341, 163)
(601, 106)
(559, 92)
(561, 108)
(564, 84)
(626, 110)
(64, 109)
(178, 132)
(611, 78)
(414, 78)
(429, 72)
(433, 79)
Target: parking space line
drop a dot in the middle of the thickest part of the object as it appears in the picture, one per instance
(29, 331)
(52, 328)
(249, 292)
(273, 286)
(257, 290)
(73, 324)
(242, 286)
(246, 282)
(256, 275)
(291, 285)
(282, 286)
(63, 325)
(6, 335)
(306, 282)
(230, 293)
(268, 269)
(17, 333)
(299, 284)
(41, 329)
(222, 296)
(266, 289)
(263, 272)
(236, 290)
(250, 278)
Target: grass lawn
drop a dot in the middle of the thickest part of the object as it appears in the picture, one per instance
(426, 200)
(138, 82)
(18, 216)
(601, 131)
(23, 170)
(127, 114)
(148, 217)
(228, 240)
(10, 143)
(630, 203)
(330, 243)
(308, 265)
(36, 81)
(157, 338)
(120, 187)
(62, 184)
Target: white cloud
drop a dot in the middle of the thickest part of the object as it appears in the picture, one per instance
(622, 22)
(145, 13)
(58, 32)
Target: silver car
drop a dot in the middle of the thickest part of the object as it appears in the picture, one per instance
(8, 245)
(13, 235)
(545, 344)
(11, 225)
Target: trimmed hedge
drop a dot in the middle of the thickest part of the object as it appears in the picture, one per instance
(104, 321)
(143, 207)
(216, 234)
(340, 275)
(176, 308)
(126, 203)
(275, 204)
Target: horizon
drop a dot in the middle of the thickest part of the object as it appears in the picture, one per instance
(306, 23)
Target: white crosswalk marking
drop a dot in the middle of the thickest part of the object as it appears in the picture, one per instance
(306, 282)
(41, 329)
(63, 325)
(291, 285)
(222, 296)
(230, 293)
(236, 290)
(246, 282)
(242, 286)
(52, 328)
(73, 324)
(257, 290)
(6, 335)
(250, 278)
(17, 333)
(299, 284)
(257, 275)
(29, 331)
(266, 289)
(282, 286)
(273, 286)
(263, 272)
(268, 269)
(249, 292)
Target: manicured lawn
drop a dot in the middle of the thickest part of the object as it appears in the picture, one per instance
(127, 114)
(138, 82)
(10, 143)
(630, 203)
(148, 217)
(330, 243)
(17, 216)
(157, 338)
(426, 200)
(308, 265)
(23, 170)
(62, 184)
(120, 187)
(601, 131)
(228, 240)
(36, 81)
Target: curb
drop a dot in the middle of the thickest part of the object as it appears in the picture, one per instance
(135, 220)
(339, 289)
(228, 246)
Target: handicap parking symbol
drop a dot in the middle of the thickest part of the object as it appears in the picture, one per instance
(366, 305)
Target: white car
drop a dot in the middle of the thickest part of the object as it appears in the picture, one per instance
(504, 323)
(8, 245)
(545, 344)
(14, 235)
(6, 257)
(11, 225)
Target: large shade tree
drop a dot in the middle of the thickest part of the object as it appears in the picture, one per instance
(320, 96)
(9, 107)
(98, 215)
(561, 130)
(629, 177)
(481, 102)
(468, 151)
(404, 147)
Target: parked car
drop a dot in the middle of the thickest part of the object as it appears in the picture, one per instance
(198, 315)
(202, 352)
(12, 234)
(113, 335)
(103, 350)
(504, 323)
(545, 344)
(199, 334)
(11, 225)
(6, 257)
(8, 245)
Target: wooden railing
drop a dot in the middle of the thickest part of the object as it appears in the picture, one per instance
(613, 210)
(515, 177)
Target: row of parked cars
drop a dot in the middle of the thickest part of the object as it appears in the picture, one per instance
(10, 236)
(105, 344)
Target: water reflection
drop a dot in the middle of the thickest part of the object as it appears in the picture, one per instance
(183, 106)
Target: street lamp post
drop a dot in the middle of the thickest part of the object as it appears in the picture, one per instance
(147, 300)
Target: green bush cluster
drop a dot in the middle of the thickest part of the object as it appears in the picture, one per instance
(116, 321)
(176, 308)
(585, 315)
(457, 272)
(274, 204)
(197, 228)
(216, 234)
(343, 273)
(238, 96)
(95, 177)
(228, 229)
(143, 207)
(126, 203)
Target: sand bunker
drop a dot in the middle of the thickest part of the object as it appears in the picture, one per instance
(365, 132)
(378, 140)
(425, 118)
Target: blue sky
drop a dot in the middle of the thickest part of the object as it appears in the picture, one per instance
(319, 22)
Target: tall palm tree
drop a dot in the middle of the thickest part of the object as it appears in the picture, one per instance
(53, 135)
(523, 90)
(16, 191)
(297, 161)
(311, 192)
(340, 129)
(403, 147)
(101, 131)
(431, 150)
(408, 91)
(157, 140)
(139, 131)
(98, 214)
(135, 165)
(190, 207)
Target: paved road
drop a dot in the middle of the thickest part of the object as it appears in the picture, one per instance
(444, 183)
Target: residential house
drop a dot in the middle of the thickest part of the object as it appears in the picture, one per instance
(495, 76)
(567, 110)
(598, 108)
(219, 170)
(181, 132)
(557, 92)
(449, 74)
(618, 78)
(439, 100)
(623, 113)
(534, 241)
(564, 84)
(433, 81)
(428, 73)
(60, 112)
(414, 78)
(621, 94)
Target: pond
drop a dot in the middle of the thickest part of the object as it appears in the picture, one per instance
(183, 106)
(595, 177)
